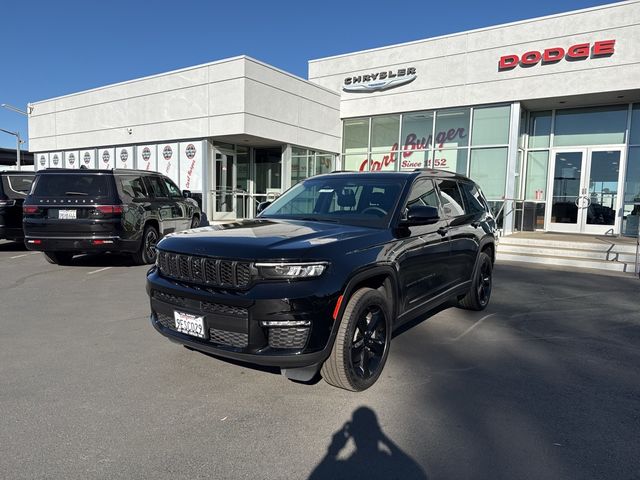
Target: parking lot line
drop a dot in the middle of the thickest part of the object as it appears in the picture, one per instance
(18, 256)
(99, 270)
(472, 327)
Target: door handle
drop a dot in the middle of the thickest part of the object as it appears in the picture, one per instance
(443, 231)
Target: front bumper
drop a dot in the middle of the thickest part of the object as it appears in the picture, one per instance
(233, 320)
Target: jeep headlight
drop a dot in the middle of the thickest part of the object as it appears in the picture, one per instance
(271, 271)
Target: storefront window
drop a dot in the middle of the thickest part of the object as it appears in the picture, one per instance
(383, 161)
(411, 160)
(452, 128)
(631, 212)
(384, 133)
(355, 163)
(417, 131)
(324, 163)
(540, 129)
(634, 137)
(491, 126)
(356, 135)
(590, 126)
(454, 160)
(299, 169)
(536, 182)
(268, 170)
(489, 170)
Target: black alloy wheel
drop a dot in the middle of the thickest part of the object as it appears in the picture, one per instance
(195, 222)
(480, 292)
(147, 252)
(369, 340)
(361, 346)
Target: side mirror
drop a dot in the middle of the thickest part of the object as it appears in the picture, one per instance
(262, 206)
(420, 215)
(186, 193)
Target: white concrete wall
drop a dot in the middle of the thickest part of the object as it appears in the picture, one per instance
(462, 69)
(229, 97)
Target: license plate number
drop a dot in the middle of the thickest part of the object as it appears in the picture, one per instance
(189, 324)
(67, 214)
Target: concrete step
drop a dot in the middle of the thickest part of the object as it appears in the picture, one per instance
(626, 248)
(570, 261)
(593, 254)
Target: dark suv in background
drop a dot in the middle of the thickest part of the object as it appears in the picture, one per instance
(323, 276)
(70, 212)
(14, 188)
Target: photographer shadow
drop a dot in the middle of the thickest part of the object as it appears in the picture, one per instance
(375, 455)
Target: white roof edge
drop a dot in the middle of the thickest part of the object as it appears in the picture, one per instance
(185, 69)
(476, 30)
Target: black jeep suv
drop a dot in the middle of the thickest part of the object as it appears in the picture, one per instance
(14, 187)
(326, 272)
(82, 211)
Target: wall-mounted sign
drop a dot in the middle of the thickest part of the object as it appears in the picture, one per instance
(43, 161)
(124, 157)
(88, 158)
(72, 159)
(191, 165)
(168, 161)
(146, 157)
(378, 81)
(579, 51)
(55, 160)
(106, 158)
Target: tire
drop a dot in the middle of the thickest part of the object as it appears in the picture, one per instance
(147, 252)
(478, 296)
(195, 222)
(345, 367)
(58, 258)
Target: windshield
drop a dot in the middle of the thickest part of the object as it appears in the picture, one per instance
(365, 201)
(65, 185)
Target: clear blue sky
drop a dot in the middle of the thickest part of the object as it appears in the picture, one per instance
(55, 47)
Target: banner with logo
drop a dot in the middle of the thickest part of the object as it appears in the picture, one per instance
(168, 160)
(42, 161)
(106, 158)
(191, 165)
(124, 157)
(56, 160)
(146, 157)
(72, 159)
(88, 158)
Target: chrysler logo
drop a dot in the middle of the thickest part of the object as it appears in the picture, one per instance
(378, 81)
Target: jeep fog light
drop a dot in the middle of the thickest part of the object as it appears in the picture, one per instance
(290, 270)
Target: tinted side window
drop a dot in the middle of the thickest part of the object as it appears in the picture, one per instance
(156, 188)
(20, 183)
(133, 186)
(451, 199)
(174, 191)
(424, 193)
(472, 198)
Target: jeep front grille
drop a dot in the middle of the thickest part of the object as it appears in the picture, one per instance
(204, 270)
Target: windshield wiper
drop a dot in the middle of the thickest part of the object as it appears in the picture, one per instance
(76, 193)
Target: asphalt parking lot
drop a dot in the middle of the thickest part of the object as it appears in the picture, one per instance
(543, 384)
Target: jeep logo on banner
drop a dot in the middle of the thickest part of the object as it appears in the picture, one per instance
(378, 81)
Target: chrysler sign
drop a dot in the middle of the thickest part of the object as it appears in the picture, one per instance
(378, 81)
(579, 51)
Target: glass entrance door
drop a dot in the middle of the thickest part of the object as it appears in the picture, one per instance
(224, 166)
(584, 191)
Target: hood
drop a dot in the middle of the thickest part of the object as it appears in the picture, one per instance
(263, 239)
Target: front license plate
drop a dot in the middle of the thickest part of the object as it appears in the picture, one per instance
(67, 214)
(189, 324)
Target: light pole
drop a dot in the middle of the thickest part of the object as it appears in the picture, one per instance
(17, 134)
(18, 142)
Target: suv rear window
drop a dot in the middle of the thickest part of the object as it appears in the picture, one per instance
(66, 185)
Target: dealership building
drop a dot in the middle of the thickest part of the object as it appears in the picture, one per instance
(544, 114)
